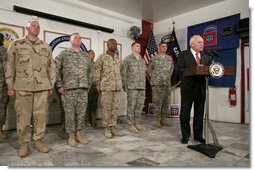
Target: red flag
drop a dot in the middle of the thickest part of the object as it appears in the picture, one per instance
(151, 50)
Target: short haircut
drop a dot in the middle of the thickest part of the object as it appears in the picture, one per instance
(192, 38)
(91, 50)
(134, 43)
(74, 33)
(32, 20)
(111, 40)
(163, 43)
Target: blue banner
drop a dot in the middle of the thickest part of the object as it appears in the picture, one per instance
(220, 35)
(226, 58)
(61, 39)
(217, 34)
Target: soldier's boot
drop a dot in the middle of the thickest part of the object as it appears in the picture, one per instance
(132, 128)
(3, 135)
(107, 132)
(163, 121)
(24, 150)
(88, 124)
(81, 139)
(115, 132)
(158, 122)
(71, 140)
(139, 127)
(41, 146)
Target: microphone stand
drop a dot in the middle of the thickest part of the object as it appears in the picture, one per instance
(208, 149)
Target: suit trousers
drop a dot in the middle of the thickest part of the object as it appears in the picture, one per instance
(186, 104)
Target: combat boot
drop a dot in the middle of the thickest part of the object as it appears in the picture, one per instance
(88, 124)
(107, 132)
(81, 139)
(139, 127)
(157, 122)
(71, 140)
(3, 135)
(24, 150)
(163, 121)
(41, 147)
(132, 128)
(115, 132)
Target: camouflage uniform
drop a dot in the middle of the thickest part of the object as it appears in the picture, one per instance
(107, 78)
(133, 70)
(3, 88)
(92, 105)
(30, 71)
(160, 69)
(73, 73)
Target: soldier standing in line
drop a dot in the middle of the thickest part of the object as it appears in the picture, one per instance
(3, 89)
(108, 81)
(133, 70)
(92, 97)
(30, 77)
(161, 68)
(73, 80)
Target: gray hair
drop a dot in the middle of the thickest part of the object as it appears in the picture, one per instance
(192, 39)
(32, 20)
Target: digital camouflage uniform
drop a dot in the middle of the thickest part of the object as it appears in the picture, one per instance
(161, 69)
(92, 105)
(3, 88)
(133, 70)
(30, 71)
(107, 78)
(73, 73)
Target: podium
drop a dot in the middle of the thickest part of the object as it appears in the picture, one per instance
(208, 149)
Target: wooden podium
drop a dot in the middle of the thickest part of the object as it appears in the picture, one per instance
(208, 149)
(204, 70)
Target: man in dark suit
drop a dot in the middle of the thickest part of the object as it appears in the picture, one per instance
(193, 89)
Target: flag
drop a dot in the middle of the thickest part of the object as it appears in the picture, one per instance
(151, 50)
(174, 51)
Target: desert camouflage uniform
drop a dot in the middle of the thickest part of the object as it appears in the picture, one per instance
(30, 71)
(107, 78)
(133, 70)
(92, 105)
(73, 73)
(161, 69)
(3, 88)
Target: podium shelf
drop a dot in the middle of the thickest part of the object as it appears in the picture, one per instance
(204, 70)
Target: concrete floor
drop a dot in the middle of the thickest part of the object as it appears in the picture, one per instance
(154, 147)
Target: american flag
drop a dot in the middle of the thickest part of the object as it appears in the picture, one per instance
(151, 50)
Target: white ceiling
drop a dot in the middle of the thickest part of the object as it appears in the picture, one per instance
(151, 10)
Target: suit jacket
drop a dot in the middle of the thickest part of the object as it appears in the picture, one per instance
(191, 85)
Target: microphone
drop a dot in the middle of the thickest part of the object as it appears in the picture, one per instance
(208, 52)
(212, 53)
(215, 53)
